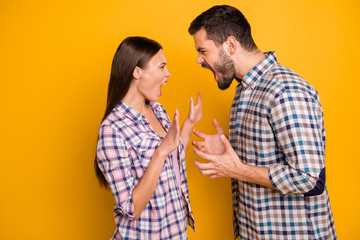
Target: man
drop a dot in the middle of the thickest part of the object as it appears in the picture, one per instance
(276, 147)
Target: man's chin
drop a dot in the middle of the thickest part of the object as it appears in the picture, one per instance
(224, 85)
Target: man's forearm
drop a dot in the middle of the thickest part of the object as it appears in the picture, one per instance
(254, 174)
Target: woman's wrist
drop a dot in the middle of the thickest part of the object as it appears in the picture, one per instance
(160, 152)
(188, 123)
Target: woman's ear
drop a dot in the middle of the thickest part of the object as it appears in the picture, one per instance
(137, 73)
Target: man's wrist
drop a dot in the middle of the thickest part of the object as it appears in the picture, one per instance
(242, 171)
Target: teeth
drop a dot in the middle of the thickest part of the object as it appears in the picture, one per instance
(164, 83)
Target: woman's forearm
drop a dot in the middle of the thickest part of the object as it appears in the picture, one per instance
(144, 190)
(185, 133)
(195, 114)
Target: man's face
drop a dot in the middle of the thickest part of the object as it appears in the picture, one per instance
(215, 59)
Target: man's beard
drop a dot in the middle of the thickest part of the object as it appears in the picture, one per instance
(224, 69)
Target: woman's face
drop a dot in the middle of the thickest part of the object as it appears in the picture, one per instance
(153, 76)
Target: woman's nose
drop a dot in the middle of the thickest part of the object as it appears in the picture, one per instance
(168, 74)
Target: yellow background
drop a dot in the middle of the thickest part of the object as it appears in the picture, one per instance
(54, 70)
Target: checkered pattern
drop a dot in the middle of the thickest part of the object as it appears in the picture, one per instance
(125, 147)
(276, 122)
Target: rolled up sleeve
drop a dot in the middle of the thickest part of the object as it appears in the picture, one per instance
(297, 122)
(115, 163)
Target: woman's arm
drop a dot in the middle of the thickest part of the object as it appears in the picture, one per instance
(144, 190)
(195, 114)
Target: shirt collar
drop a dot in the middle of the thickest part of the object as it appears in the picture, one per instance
(128, 111)
(134, 115)
(154, 105)
(259, 70)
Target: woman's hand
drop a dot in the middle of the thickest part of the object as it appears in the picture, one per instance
(172, 139)
(195, 112)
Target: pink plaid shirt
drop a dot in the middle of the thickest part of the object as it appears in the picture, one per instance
(125, 147)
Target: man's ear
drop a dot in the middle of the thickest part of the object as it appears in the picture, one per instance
(137, 73)
(231, 45)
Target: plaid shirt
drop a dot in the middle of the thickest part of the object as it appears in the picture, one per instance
(276, 122)
(125, 147)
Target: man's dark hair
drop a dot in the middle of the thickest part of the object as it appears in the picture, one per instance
(223, 21)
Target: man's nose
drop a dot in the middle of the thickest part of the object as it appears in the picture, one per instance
(199, 60)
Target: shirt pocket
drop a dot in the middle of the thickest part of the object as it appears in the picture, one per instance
(255, 129)
(144, 146)
(257, 141)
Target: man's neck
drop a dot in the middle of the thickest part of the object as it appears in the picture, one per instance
(247, 61)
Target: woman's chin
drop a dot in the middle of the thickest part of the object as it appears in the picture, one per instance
(153, 99)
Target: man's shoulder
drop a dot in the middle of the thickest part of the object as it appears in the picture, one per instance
(283, 75)
(282, 79)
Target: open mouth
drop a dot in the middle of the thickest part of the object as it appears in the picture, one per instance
(162, 84)
(207, 66)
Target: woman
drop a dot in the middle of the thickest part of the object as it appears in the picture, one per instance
(140, 154)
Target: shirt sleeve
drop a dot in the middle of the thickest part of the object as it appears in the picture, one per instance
(115, 163)
(297, 122)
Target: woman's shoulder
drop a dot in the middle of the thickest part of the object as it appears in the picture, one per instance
(117, 121)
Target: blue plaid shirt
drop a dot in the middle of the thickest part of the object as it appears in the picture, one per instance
(276, 122)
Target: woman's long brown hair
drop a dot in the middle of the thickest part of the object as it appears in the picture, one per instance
(132, 52)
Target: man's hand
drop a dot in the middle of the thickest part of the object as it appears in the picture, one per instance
(212, 144)
(226, 164)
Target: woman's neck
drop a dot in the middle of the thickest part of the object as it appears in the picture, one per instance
(134, 100)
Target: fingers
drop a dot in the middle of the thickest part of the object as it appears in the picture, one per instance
(207, 169)
(176, 120)
(198, 145)
(199, 134)
(176, 115)
(217, 126)
(191, 110)
(204, 167)
(226, 142)
(191, 104)
(198, 99)
(204, 155)
(174, 128)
